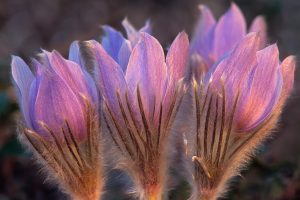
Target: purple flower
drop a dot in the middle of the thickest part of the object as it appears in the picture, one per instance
(256, 77)
(238, 103)
(141, 101)
(212, 40)
(60, 105)
(238, 97)
(55, 95)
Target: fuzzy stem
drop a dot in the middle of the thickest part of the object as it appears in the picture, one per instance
(153, 193)
(93, 196)
(208, 195)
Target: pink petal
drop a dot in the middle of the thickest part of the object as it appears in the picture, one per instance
(262, 92)
(288, 69)
(147, 69)
(230, 29)
(177, 60)
(177, 56)
(234, 69)
(109, 76)
(55, 103)
(73, 75)
(235, 66)
(259, 25)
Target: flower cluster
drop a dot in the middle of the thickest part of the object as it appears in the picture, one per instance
(227, 89)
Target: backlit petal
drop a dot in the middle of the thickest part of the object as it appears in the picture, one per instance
(147, 70)
(230, 29)
(259, 25)
(23, 78)
(55, 103)
(109, 75)
(203, 35)
(262, 91)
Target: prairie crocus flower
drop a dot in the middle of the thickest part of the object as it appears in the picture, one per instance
(141, 102)
(213, 39)
(237, 103)
(59, 106)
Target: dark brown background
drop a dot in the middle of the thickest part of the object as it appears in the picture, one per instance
(28, 25)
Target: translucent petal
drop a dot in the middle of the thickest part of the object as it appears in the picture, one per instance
(204, 35)
(263, 90)
(259, 25)
(230, 29)
(147, 69)
(23, 78)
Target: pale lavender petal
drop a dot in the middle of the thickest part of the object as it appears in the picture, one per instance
(259, 25)
(43, 58)
(124, 54)
(132, 34)
(40, 70)
(147, 69)
(147, 28)
(177, 56)
(262, 92)
(112, 41)
(288, 69)
(55, 103)
(23, 78)
(177, 60)
(74, 53)
(109, 76)
(234, 69)
(236, 65)
(198, 67)
(73, 76)
(203, 36)
(75, 56)
(230, 29)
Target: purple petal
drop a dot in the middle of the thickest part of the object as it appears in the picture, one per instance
(74, 53)
(259, 25)
(112, 41)
(177, 56)
(288, 69)
(234, 69)
(109, 76)
(132, 34)
(40, 70)
(55, 103)
(230, 29)
(75, 56)
(73, 75)
(198, 67)
(147, 69)
(262, 91)
(147, 28)
(124, 54)
(236, 65)
(23, 78)
(203, 35)
(176, 60)
(43, 58)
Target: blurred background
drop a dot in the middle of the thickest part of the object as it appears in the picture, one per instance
(28, 25)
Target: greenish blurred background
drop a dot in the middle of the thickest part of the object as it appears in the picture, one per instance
(28, 25)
